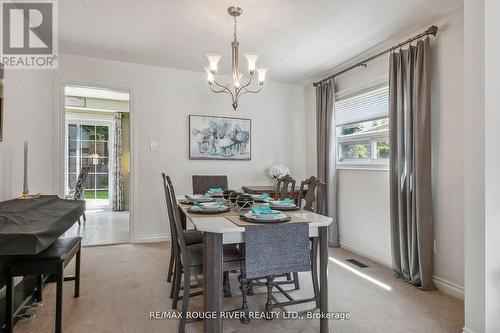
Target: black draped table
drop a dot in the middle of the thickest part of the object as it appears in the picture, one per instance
(28, 227)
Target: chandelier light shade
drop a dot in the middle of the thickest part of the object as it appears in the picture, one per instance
(238, 85)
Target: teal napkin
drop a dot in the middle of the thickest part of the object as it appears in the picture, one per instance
(264, 195)
(215, 190)
(286, 201)
(263, 210)
(212, 204)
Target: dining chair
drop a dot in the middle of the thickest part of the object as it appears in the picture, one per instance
(314, 194)
(77, 192)
(191, 263)
(314, 199)
(285, 188)
(202, 183)
(191, 236)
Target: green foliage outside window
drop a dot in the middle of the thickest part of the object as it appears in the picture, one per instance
(383, 149)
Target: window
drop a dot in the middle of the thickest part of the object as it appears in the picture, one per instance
(362, 129)
(88, 145)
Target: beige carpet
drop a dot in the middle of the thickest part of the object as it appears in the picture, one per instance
(121, 284)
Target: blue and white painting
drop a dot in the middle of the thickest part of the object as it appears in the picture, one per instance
(219, 138)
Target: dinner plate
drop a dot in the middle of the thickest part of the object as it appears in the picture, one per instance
(198, 210)
(287, 208)
(185, 202)
(215, 194)
(248, 218)
(198, 199)
(258, 198)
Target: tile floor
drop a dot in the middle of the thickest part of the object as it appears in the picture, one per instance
(102, 227)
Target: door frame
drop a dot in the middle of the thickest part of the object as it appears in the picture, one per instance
(59, 137)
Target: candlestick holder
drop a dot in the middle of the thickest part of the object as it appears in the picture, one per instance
(28, 196)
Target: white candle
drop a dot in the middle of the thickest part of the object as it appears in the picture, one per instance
(25, 188)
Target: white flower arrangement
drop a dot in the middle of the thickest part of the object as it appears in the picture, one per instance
(277, 171)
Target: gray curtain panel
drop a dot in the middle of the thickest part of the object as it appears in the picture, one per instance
(118, 201)
(326, 154)
(410, 164)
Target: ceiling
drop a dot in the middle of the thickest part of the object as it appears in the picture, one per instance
(298, 40)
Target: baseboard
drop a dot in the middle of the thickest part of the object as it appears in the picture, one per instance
(466, 330)
(364, 253)
(152, 238)
(443, 285)
(449, 288)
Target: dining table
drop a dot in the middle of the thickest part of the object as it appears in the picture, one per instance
(219, 229)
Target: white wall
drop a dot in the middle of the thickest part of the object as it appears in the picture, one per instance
(367, 230)
(474, 166)
(492, 162)
(27, 116)
(161, 101)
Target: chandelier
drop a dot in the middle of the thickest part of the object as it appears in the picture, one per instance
(237, 85)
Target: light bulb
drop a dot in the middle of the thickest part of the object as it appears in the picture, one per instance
(210, 75)
(262, 74)
(252, 62)
(213, 60)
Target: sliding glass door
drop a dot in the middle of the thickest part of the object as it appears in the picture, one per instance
(88, 145)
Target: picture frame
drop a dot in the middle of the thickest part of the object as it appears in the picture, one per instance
(220, 138)
(2, 93)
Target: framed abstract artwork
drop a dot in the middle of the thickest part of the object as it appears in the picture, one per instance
(219, 138)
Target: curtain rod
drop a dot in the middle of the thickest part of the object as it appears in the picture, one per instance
(431, 31)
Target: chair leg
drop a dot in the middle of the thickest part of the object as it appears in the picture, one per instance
(38, 294)
(250, 291)
(269, 285)
(79, 221)
(177, 282)
(171, 266)
(174, 271)
(84, 218)
(314, 269)
(296, 280)
(245, 318)
(288, 277)
(77, 273)
(9, 303)
(185, 300)
(59, 297)
(226, 285)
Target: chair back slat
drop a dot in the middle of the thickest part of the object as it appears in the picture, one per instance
(314, 196)
(81, 182)
(202, 183)
(285, 188)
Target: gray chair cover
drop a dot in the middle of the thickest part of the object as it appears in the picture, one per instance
(276, 249)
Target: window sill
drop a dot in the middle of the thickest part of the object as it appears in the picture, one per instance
(363, 167)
